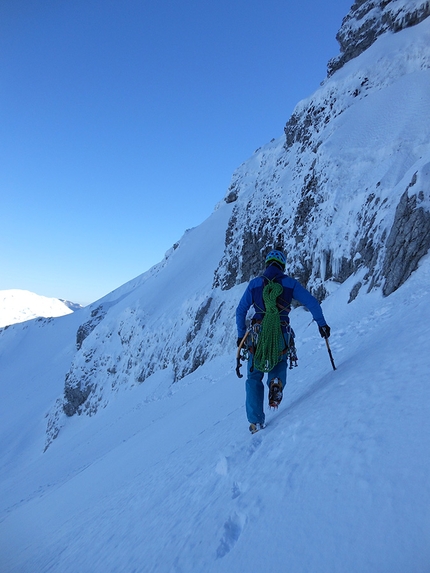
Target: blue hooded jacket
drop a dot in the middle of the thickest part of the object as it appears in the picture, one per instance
(292, 290)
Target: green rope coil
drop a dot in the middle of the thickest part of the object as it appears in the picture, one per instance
(268, 351)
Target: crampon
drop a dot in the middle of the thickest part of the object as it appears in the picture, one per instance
(275, 393)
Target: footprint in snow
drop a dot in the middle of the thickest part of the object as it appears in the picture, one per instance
(232, 530)
(256, 441)
(235, 490)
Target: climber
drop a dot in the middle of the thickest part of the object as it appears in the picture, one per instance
(270, 337)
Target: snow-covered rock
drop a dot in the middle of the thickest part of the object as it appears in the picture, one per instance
(369, 19)
(333, 192)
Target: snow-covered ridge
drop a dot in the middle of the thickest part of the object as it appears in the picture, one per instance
(171, 320)
(21, 305)
(369, 19)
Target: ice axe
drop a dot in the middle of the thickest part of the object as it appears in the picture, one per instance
(329, 352)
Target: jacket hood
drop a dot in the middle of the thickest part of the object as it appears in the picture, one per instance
(272, 272)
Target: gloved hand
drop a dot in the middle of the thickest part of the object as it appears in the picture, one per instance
(324, 331)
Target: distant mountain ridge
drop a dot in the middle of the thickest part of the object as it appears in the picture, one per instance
(18, 305)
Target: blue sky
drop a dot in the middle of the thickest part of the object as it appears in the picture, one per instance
(122, 122)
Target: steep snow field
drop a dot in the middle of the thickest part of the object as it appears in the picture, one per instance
(21, 305)
(167, 477)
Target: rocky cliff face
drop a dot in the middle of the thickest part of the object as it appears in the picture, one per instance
(348, 188)
(369, 19)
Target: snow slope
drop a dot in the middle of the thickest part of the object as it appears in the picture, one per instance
(167, 477)
(21, 305)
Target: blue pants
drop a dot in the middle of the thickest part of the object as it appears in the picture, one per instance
(255, 388)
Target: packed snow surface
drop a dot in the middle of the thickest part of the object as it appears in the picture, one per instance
(168, 478)
(21, 305)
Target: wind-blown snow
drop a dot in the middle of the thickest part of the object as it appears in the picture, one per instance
(21, 305)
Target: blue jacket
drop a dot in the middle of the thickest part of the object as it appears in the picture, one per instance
(292, 289)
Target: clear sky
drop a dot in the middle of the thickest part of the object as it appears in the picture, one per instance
(122, 122)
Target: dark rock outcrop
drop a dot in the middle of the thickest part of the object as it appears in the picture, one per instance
(369, 19)
(85, 329)
(407, 243)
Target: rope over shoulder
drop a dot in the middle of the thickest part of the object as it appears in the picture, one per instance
(268, 351)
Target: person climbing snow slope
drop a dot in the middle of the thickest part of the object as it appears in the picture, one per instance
(270, 339)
